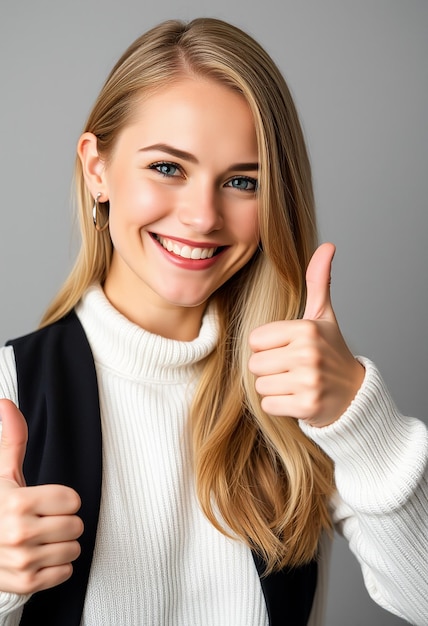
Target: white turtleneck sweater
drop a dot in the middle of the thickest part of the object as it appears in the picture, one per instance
(158, 561)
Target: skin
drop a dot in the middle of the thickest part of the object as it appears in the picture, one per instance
(39, 527)
(304, 368)
(207, 199)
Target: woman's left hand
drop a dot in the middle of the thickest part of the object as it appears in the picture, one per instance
(303, 368)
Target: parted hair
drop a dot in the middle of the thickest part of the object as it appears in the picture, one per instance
(258, 477)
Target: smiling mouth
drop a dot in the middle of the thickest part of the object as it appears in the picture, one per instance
(185, 251)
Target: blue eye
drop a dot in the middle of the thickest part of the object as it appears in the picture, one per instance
(243, 183)
(165, 168)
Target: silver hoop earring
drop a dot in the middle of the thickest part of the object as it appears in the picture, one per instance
(95, 211)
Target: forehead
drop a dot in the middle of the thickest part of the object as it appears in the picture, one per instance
(194, 112)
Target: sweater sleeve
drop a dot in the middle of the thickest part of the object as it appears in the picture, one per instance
(10, 603)
(8, 381)
(381, 503)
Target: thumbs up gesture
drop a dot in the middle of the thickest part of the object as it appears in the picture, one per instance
(303, 368)
(38, 525)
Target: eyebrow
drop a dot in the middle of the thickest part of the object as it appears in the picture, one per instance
(188, 156)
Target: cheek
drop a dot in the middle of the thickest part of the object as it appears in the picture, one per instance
(246, 226)
(137, 204)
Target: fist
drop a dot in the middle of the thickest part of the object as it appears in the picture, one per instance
(303, 368)
(39, 527)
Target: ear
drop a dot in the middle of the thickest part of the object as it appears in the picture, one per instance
(93, 166)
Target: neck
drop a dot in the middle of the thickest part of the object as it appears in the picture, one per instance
(159, 318)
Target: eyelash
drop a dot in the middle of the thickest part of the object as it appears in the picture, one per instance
(156, 166)
(159, 164)
(248, 179)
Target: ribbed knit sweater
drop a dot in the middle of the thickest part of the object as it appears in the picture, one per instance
(158, 561)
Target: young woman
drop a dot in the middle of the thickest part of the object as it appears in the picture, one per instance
(195, 424)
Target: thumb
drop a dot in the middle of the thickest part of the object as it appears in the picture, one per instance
(318, 278)
(14, 435)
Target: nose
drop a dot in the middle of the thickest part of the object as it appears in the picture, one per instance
(200, 209)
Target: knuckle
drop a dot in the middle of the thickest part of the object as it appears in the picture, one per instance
(312, 404)
(311, 357)
(310, 329)
(23, 584)
(16, 504)
(16, 534)
(27, 580)
(13, 538)
(314, 381)
(22, 562)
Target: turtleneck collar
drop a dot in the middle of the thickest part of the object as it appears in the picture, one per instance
(120, 345)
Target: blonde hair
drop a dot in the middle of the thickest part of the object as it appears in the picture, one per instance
(258, 477)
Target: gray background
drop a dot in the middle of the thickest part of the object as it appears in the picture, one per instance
(359, 75)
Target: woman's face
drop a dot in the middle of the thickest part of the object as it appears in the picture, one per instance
(182, 188)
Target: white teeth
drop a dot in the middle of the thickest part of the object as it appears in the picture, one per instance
(186, 251)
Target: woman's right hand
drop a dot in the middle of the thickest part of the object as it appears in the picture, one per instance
(39, 527)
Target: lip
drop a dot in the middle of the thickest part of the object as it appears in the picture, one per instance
(189, 263)
(188, 242)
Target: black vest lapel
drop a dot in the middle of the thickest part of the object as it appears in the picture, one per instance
(58, 395)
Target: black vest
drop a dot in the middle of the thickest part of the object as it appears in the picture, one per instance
(58, 395)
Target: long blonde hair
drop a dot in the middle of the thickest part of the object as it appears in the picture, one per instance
(258, 477)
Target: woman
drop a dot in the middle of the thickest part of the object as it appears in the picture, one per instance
(196, 337)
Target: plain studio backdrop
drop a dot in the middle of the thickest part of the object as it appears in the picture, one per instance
(359, 75)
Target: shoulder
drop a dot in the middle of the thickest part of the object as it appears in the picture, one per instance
(69, 321)
(24, 356)
(32, 342)
(63, 338)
